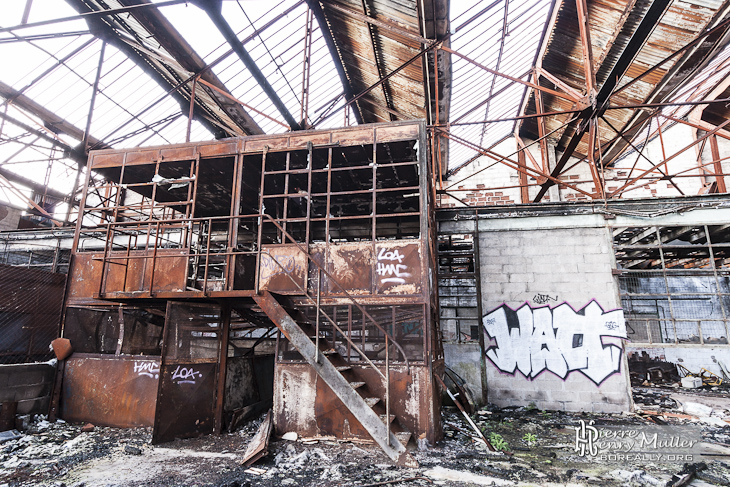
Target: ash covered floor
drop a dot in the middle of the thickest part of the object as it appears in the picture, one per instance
(539, 449)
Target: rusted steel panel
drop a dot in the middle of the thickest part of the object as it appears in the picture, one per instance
(220, 149)
(122, 274)
(99, 161)
(84, 275)
(351, 265)
(259, 445)
(186, 401)
(142, 157)
(258, 143)
(294, 399)
(134, 274)
(110, 390)
(171, 270)
(396, 132)
(300, 141)
(291, 267)
(353, 137)
(178, 153)
(398, 268)
(304, 403)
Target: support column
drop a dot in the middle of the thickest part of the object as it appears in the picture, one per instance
(554, 190)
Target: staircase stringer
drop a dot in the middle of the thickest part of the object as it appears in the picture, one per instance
(335, 380)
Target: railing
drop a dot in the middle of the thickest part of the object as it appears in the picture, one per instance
(186, 224)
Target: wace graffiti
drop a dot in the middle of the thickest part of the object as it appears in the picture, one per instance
(560, 340)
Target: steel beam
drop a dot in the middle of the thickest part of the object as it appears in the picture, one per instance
(73, 153)
(92, 14)
(102, 29)
(635, 44)
(213, 9)
(53, 122)
(174, 43)
(335, 55)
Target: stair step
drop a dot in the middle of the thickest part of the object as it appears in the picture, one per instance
(403, 436)
(343, 368)
(357, 385)
(372, 401)
(331, 351)
(382, 418)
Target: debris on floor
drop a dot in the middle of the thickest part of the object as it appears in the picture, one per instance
(532, 447)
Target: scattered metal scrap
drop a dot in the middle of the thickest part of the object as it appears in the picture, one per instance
(259, 446)
(466, 416)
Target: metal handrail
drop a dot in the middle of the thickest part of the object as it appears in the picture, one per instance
(388, 338)
(328, 318)
(286, 235)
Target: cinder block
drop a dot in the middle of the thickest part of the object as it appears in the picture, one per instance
(522, 277)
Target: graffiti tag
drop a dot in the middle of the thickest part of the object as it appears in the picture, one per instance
(149, 369)
(560, 340)
(185, 375)
(543, 298)
(391, 272)
(286, 265)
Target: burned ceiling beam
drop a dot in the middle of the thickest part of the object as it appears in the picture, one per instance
(102, 27)
(213, 9)
(52, 122)
(691, 62)
(599, 104)
(336, 57)
(73, 153)
(36, 187)
(183, 53)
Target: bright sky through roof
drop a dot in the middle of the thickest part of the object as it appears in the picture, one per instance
(131, 109)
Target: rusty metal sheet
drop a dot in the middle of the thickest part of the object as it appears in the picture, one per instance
(396, 132)
(294, 399)
(259, 446)
(178, 153)
(84, 275)
(398, 268)
(142, 157)
(218, 149)
(110, 390)
(107, 160)
(291, 267)
(258, 143)
(186, 401)
(333, 417)
(122, 274)
(353, 137)
(300, 141)
(351, 265)
(171, 271)
(134, 274)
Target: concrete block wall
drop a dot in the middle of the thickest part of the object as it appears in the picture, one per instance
(549, 298)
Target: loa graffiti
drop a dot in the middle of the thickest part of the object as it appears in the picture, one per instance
(185, 375)
(560, 340)
(390, 267)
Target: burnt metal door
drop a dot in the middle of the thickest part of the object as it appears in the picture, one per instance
(186, 399)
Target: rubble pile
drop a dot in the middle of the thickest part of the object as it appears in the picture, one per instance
(528, 447)
(43, 449)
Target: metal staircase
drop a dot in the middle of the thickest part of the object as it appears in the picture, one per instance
(334, 371)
